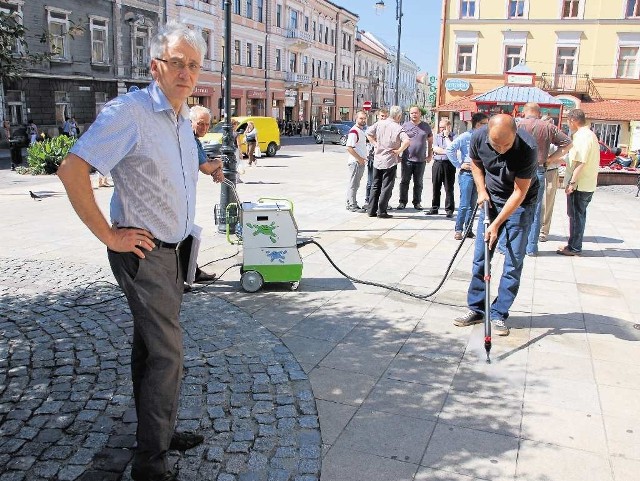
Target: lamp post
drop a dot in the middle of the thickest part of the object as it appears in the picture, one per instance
(311, 126)
(380, 6)
(228, 148)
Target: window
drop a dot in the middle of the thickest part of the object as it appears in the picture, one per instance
(278, 15)
(305, 65)
(314, 30)
(319, 65)
(465, 58)
(306, 24)
(607, 133)
(333, 37)
(633, 8)
(101, 99)
(58, 23)
(249, 55)
(236, 52)
(206, 35)
(326, 70)
(278, 59)
(566, 60)
(99, 39)
(236, 7)
(293, 20)
(249, 8)
(512, 56)
(260, 57)
(570, 8)
(468, 9)
(141, 48)
(260, 10)
(293, 62)
(63, 106)
(326, 35)
(516, 9)
(627, 62)
(15, 107)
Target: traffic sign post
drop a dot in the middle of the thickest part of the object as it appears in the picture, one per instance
(366, 106)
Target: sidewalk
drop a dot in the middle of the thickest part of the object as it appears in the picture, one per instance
(399, 392)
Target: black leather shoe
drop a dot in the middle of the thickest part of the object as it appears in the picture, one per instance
(204, 277)
(449, 214)
(166, 476)
(184, 441)
(384, 215)
(432, 211)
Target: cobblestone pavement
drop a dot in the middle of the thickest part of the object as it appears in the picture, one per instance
(66, 407)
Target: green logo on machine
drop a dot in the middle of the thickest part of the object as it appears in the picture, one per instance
(268, 230)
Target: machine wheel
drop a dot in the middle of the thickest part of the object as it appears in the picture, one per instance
(343, 140)
(318, 139)
(251, 281)
(294, 285)
(272, 148)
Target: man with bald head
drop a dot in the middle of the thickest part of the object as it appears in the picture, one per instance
(504, 164)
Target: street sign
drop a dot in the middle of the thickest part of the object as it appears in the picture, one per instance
(366, 106)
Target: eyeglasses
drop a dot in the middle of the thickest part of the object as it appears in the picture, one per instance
(178, 65)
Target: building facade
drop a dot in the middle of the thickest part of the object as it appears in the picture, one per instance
(98, 50)
(370, 75)
(291, 59)
(586, 53)
(407, 78)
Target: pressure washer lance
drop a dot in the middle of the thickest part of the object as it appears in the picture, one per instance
(487, 285)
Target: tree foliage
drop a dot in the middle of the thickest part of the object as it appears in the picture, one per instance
(15, 55)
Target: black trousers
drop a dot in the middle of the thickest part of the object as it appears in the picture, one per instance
(443, 173)
(381, 189)
(409, 170)
(153, 286)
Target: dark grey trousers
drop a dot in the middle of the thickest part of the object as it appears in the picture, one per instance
(153, 286)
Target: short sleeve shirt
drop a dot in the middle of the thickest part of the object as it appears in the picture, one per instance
(501, 170)
(358, 140)
(545, 134)
(153, 159)
(389, 137)
(418, 134)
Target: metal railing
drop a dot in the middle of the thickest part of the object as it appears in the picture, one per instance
(575, 83)
(298, 78)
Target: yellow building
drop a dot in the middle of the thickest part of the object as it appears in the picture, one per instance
(583, 52)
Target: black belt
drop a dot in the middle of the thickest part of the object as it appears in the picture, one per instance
(166, 245)
(464, 171)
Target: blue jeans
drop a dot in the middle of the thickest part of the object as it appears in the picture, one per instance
(514, 231)
(577, 203)
(468, 199)
(534, 233)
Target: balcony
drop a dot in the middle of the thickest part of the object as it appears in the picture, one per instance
(298, 39)
(292, 79)
(140, 72)
(565, 83)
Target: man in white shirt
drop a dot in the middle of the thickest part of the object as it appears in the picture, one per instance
(357, 149)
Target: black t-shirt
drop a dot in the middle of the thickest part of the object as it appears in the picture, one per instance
(501, 170)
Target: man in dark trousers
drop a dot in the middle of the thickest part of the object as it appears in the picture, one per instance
(504, 164)
(443, 172)
(389, 140)
(415, 158)
(145, 139)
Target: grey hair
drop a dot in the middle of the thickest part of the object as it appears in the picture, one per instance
(196, 110)
(577, 115)
(395, 112)
(173, 31)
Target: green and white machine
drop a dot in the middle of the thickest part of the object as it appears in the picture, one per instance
(268, 233)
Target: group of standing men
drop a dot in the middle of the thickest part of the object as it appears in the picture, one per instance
(500, 160)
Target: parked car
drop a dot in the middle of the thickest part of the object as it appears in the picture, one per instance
(268, 136)
(334, 133)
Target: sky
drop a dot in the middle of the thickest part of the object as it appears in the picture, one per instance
(420, 27)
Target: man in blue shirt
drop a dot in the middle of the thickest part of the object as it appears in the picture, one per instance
(504, 164)
(468, 191)
(145, 139)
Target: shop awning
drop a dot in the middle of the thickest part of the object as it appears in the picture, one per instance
(458, 105)
(517, 95)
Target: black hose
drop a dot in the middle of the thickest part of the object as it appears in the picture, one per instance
(393, 288)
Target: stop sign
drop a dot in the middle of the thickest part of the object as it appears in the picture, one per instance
(366, 106)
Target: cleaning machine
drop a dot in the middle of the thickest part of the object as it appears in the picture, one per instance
(268, 233)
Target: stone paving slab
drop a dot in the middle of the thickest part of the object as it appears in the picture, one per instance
(559, 401)
(65, 387)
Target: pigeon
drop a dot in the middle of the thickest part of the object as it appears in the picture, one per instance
(35, 196)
